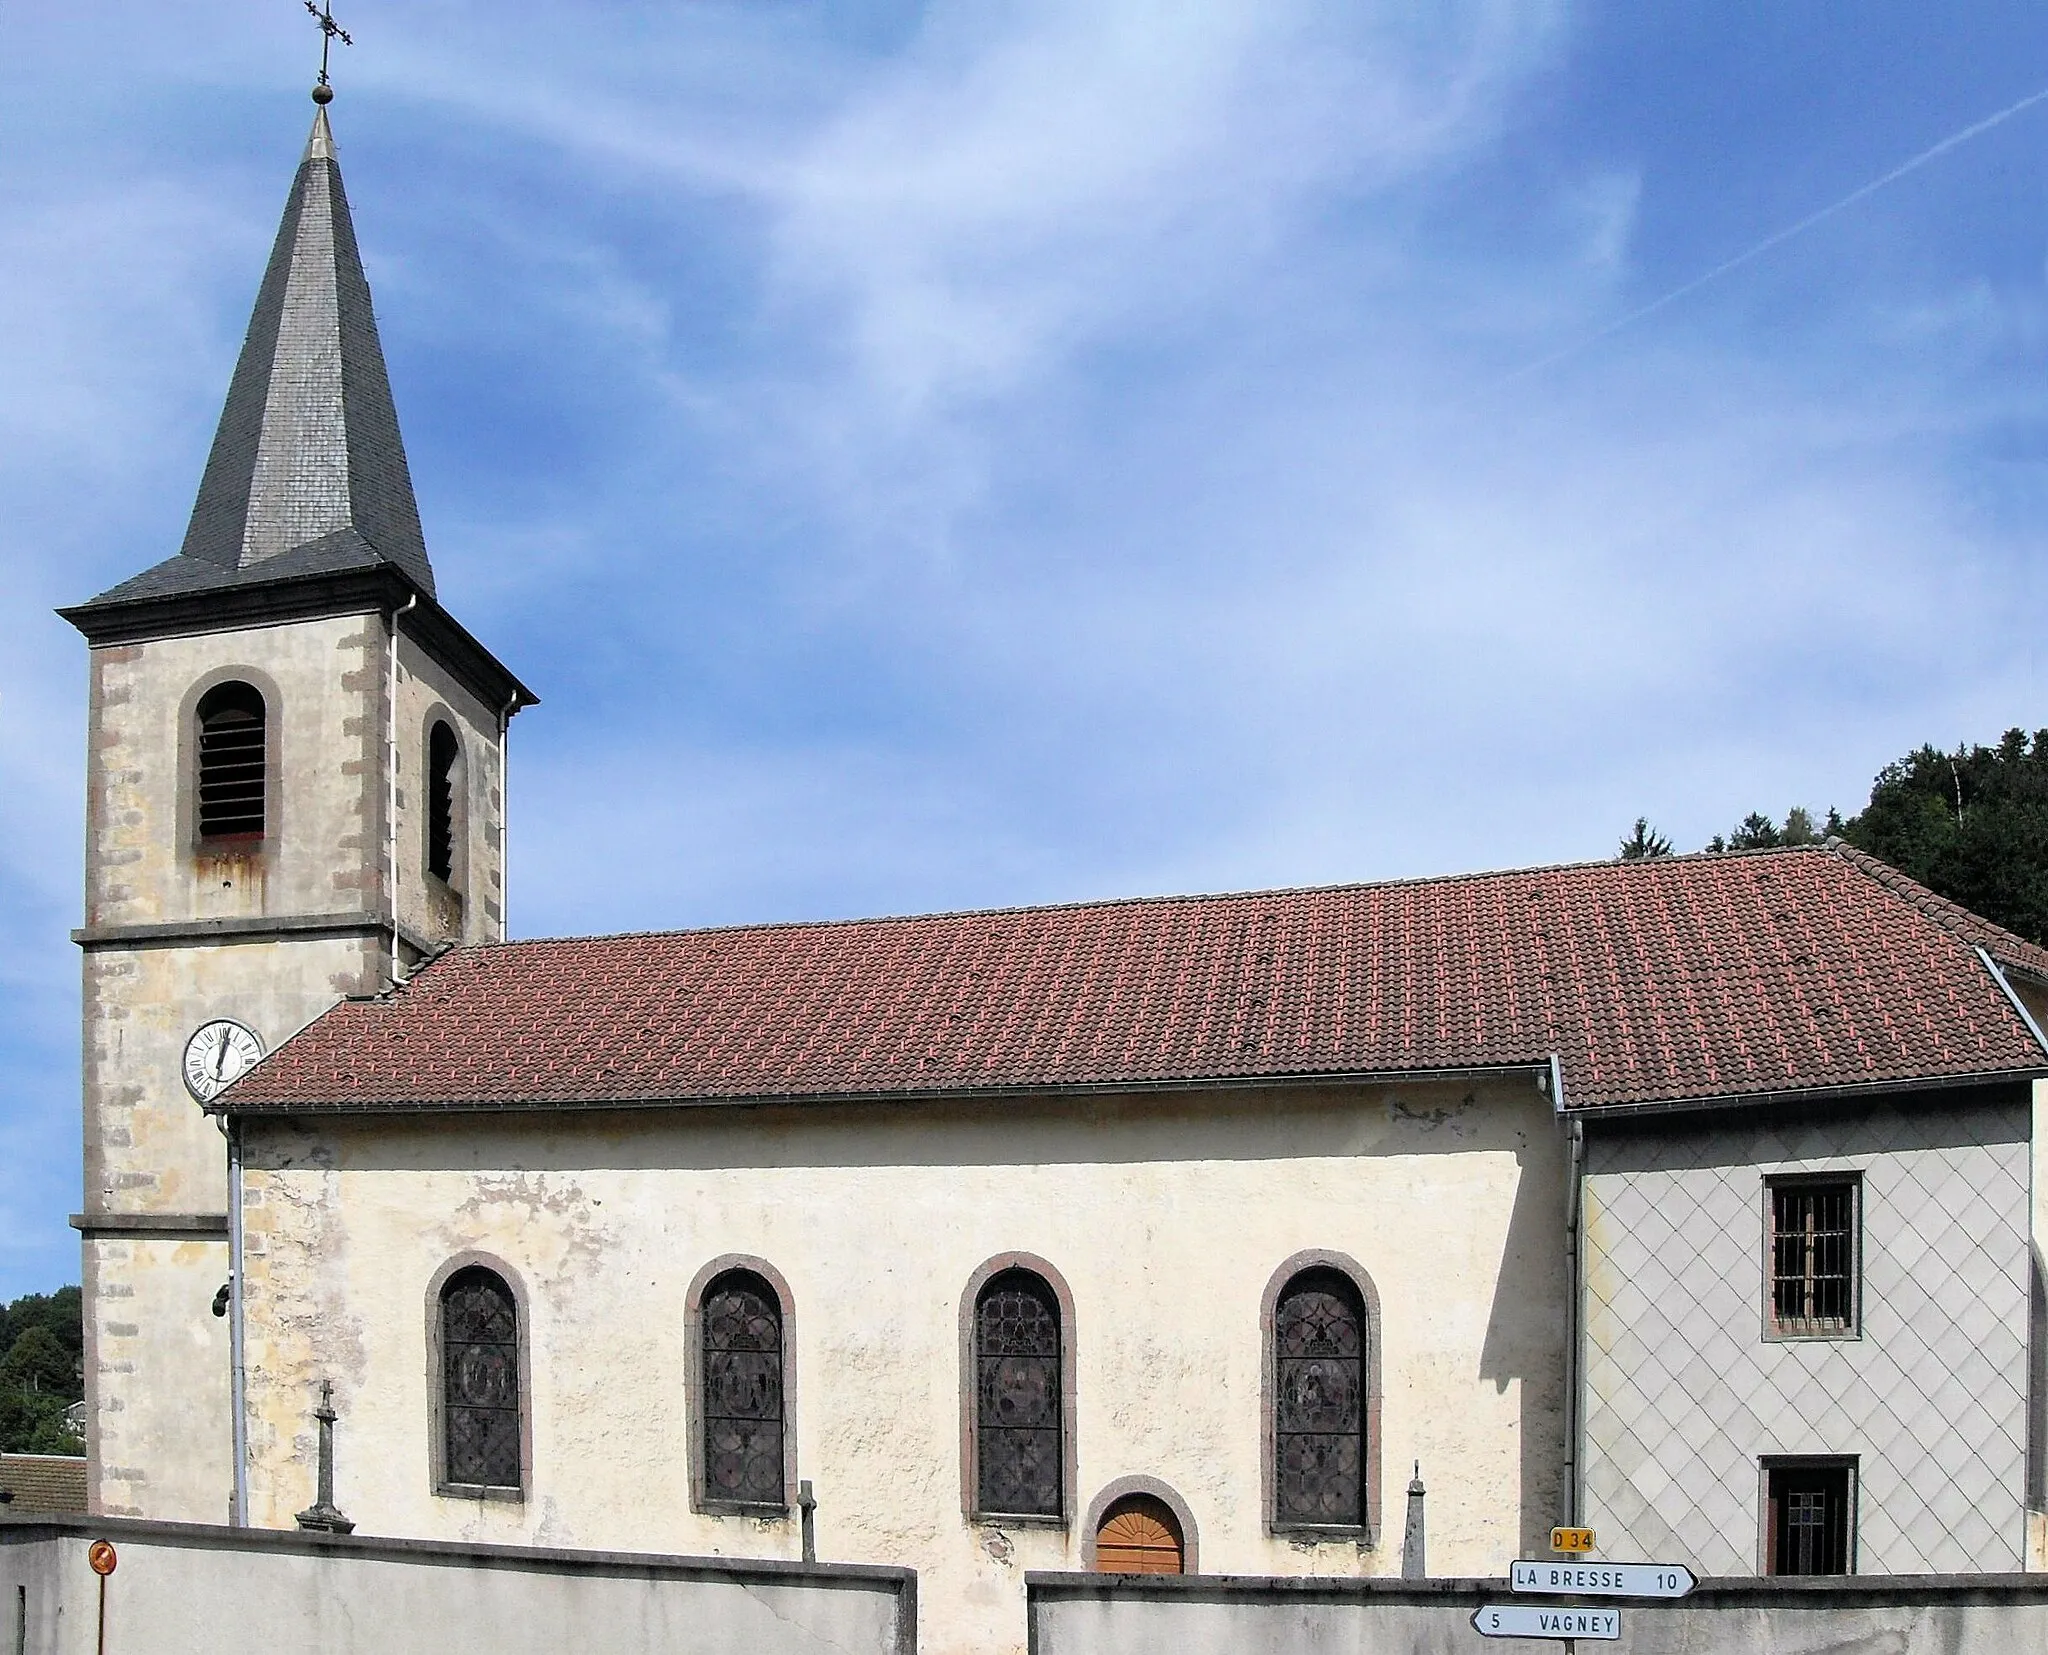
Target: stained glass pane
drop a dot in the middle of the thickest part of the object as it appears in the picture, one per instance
(742, 1343)
(1017, 1397)
(480, 1381)
(1319, 1402)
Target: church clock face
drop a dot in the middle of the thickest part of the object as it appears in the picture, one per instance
(218, 1054)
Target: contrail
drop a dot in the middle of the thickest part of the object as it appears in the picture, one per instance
(1778, 239)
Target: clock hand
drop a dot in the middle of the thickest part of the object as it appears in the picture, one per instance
(220, 1057)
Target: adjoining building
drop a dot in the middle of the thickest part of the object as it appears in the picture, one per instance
(1696, 1198)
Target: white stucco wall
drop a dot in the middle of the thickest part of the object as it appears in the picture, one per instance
(1166, 1215)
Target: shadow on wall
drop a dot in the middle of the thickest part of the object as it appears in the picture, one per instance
(1525, 1335)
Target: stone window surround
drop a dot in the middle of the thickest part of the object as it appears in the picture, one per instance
(693, 1371)
(969, 1446)
(1165, 1493)
(273, 762)
(1773, 1181)
(1768, 1463)
(1317, 1258)
(437, 1382)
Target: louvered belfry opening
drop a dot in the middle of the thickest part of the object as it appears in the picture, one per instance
(743, 1423)
(232, 727)
(443, 758)
(480, 1380)
(1319, 1348)
(1813, 1256)
(1019, 1460)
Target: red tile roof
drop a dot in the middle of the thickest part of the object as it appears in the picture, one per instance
(1686, 977)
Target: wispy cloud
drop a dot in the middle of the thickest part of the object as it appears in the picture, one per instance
(974, 454)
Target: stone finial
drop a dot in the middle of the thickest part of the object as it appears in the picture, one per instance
(1414, 1566)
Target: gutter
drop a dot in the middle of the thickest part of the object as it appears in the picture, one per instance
(226, 1104)
(391, 777)
(1574, 1255)
(237, 1345)
(2018, 1005)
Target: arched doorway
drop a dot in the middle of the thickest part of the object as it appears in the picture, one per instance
(1139, 1535)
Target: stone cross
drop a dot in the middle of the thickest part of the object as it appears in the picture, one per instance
(321, 1514)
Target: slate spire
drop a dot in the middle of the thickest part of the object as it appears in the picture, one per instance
(308, 458)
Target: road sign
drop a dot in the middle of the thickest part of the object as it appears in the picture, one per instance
(1602, 1580)
(1542, 1620)
(1571, 1540)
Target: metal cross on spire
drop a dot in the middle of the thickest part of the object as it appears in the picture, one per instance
(330, 32)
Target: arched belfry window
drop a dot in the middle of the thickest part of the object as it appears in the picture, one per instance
(1320, 1348)
(1019, 1453)
(444, 775)
(479, 1381)
(231, 762)
(741, 1335)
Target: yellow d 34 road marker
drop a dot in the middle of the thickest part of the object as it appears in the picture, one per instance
(1571, 1540)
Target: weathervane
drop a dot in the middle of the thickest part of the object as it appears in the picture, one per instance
(330, 32)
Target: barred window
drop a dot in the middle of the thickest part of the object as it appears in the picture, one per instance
(1018, 1444)
(743, 1402)
(444, 760)
(1319, 1351)
(1813, 1265)
(231, 762)
(1810, 1517)
(480, 1380)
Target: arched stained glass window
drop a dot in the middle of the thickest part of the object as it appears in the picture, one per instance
(480, 1380)
(1019, 1455)
(444, 771)
(231, 761)
(1319, 1340)
(743, 1423)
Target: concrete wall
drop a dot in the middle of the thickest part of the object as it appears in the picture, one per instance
(229, 1592)
(1684, 1393)
(1980, 1615)
(1167, 1216)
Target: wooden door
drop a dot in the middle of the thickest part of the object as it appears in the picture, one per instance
(1139, 1536)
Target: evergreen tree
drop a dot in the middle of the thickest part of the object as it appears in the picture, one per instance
(1972, 825)
(1644, 843)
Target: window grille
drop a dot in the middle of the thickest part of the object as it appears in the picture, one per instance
(743, 1424)
(1319, 1335)
(443, 752)
(1811, 1519)
(1019, 1452)
(1813, 1256)
(480, 1378)
(231, 760)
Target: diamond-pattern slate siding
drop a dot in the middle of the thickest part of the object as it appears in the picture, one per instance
(1684, 1393)
(1689, 977)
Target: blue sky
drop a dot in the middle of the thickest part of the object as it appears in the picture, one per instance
(944, 455)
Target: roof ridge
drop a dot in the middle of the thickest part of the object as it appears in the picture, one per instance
(1160, 898)
(1964, 923)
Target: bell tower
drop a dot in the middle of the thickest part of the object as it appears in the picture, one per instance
(294, 792)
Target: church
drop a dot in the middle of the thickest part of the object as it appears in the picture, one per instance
(1348, 1231)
